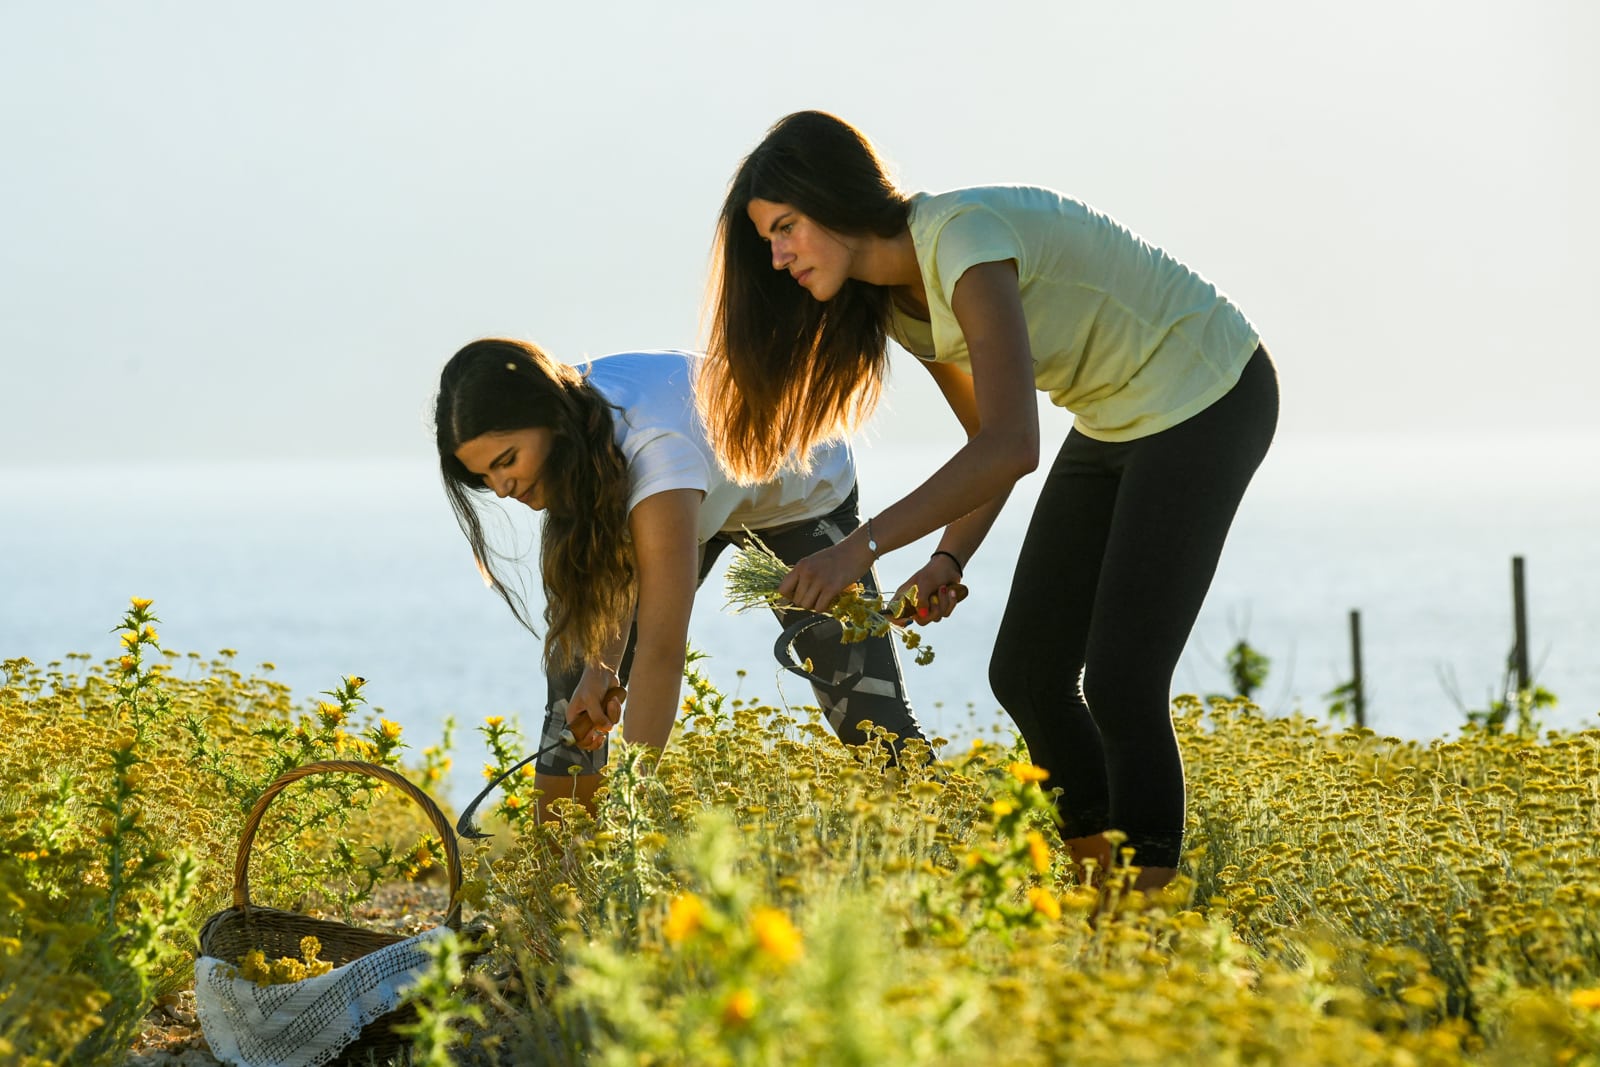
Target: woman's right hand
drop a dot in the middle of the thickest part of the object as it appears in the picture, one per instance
(816, 581)
(599, 695)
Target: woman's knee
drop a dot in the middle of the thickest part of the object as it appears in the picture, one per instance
(1029, 685)
(1008, 678)
(1124, 694)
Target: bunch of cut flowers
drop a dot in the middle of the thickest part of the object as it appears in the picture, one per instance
(755, 572)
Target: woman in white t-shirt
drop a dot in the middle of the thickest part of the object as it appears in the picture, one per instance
(635, 512)
(1001, 292)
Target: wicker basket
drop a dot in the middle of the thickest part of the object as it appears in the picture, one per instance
(231, 933)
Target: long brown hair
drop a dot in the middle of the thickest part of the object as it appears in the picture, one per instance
(586, 560)
(785, 371)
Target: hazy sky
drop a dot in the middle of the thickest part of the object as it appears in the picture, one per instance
(258, 230)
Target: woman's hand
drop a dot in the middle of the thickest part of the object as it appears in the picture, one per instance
(939, 590)
(599, 696)
(816, 581)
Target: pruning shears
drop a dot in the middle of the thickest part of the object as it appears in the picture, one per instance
(571, 734)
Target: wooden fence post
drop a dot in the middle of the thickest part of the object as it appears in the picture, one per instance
(1519, 608)
(1358, 695)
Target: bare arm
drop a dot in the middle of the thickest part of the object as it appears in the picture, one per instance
(963, 536)
(1002, 446)
(664, 542)
(935, 600)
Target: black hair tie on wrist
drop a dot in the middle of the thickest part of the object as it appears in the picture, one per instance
(951, 556)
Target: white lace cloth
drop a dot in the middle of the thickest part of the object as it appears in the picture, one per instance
(304, 1024)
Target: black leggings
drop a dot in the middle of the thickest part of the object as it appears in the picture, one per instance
(1118, 557)
(867, 685)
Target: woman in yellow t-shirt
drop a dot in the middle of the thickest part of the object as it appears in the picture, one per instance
(999, 292)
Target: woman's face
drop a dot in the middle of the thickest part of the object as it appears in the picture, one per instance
(818, 259)
(511, 463)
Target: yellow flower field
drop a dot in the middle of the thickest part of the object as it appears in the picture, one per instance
(767, 896)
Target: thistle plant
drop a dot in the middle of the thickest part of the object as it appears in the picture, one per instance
(123, 789)
(755, 572)
(518, 804)
(139, 702)
(95, 891)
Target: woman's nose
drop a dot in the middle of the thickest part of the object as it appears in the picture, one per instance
(501, 486)
(780, 256)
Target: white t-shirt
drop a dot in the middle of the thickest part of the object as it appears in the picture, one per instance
(664, 444)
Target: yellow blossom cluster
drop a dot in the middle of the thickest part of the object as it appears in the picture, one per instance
(255, 968)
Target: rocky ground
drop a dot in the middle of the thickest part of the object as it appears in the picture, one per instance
(171, 1034)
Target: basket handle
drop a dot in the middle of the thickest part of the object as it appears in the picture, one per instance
(452, 851)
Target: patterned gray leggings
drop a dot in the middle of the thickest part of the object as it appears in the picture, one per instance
(867, 685)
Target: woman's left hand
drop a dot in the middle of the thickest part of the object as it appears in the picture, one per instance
(939, 590)
(816, 581)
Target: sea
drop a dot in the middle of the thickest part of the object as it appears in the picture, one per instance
(311, 571)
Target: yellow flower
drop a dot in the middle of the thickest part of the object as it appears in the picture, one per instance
(127, 663)
(288, 970)
(1044, 902)
(739, 1008)
(494, 720)
(685, 914)
(1002, 807)
(391, 730)
(330, 714)
(141, 603)
(254, 967)
(776, 934)
(1027, 773)
(150, 636)
(513, 802)
(1586, 998)
(130, 638)
(1038, 851)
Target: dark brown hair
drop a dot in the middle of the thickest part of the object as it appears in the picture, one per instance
(784, 370)
(586, 560)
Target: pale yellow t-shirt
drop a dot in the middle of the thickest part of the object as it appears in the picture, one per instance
(1127, 338)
